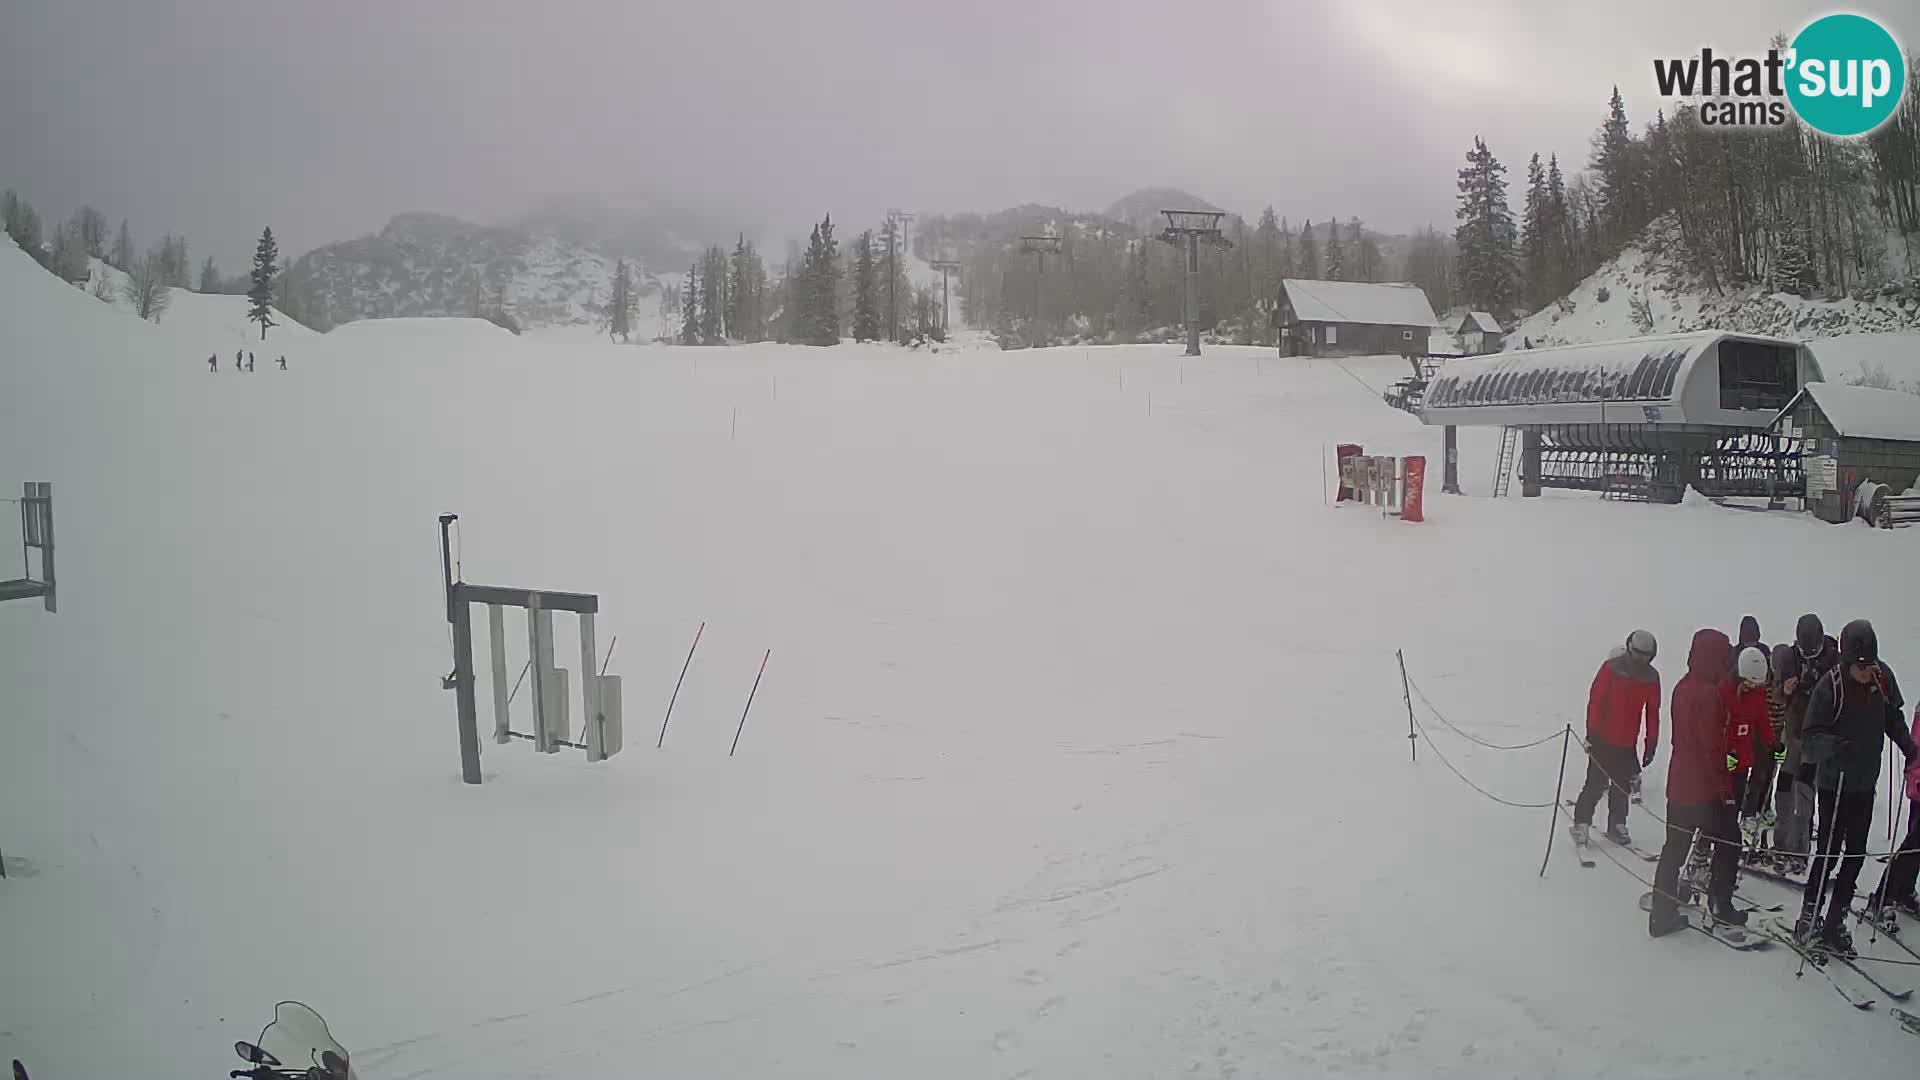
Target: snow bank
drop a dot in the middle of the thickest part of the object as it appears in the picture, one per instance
(1081, 751)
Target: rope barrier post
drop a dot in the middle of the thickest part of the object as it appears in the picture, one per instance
(1559, 786)
(1406, 693)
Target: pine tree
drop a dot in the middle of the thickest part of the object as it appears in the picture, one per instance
(690, 307)
(92, 226)
(1485, 234)
(713, 296)
(866, 316)
(1557, 238)
(1538, 287)
(743, 292)
(887, 262)
(209, 277)
(823, 286)
(69, 254)
(620, 308)
(1308, 263)
(1336, 258)
(266, 255)
(1367, 258)
(1792, 269)
(1283, 263)
(1616, 170)
(122, 248)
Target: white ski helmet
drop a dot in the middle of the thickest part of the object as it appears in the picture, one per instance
(1641, 642)
(1752, 667)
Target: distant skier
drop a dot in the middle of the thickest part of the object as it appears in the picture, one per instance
(283, 361)
(1853, 710)
(249, 363)
(1897, 885)
(1699, 789)
(1814, 654)
(213, 362)
(240, 360)
(1625, 688)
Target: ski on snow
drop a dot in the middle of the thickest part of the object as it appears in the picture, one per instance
(1583, 850)
(1643, 853)
(1732, 937)
(1816, 961)
(1907, 1020)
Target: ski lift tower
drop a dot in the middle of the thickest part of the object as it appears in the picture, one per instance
(36, 531)
(1191, 228)
(945, 266)
(1041, 247)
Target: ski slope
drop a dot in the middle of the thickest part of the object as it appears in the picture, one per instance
(1081, 750)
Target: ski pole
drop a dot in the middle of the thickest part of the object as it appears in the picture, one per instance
(750, 696)
(676, 686)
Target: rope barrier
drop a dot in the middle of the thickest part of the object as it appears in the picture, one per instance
(1471, 784)
(1438, 715)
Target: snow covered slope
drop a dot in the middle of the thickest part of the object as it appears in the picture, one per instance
(1081, 751)
(199, 324)
(1639, 277)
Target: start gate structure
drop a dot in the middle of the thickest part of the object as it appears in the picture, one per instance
(599, 692)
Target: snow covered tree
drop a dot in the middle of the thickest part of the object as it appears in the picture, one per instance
(1307, 263)
(145, 289)
(23, 225)
(69, 259)
(821, 267)
(1792, 269)
(690, 307)
(620, 305)
(1557, 238)
(209, 277)
(1336, 258)
(746, 293)
(1485, 234)
(866, 316)
(266, 258)
(92, 228)
(1283, 262)
(122, 248)
(713, 296)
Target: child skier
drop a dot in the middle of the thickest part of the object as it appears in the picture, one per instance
(1852, 712)
(1624, 689)
(1749, 724)
(1699, 788)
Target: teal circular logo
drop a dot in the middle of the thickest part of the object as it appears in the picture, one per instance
(1847, 76)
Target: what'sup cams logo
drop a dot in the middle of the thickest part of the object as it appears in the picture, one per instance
(1842, 75)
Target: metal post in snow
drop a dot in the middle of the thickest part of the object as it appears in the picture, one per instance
(1559, 786)
(676, 686)
(1406, 693)
(750, 696)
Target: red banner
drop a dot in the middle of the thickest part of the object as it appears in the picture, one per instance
(1415, 486)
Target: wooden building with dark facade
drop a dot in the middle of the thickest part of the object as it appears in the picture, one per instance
(1352, 318)
(1850, 435)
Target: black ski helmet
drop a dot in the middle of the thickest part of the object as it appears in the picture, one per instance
(1858, 643)
(1808, 633)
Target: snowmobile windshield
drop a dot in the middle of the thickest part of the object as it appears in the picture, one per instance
(300, 1039)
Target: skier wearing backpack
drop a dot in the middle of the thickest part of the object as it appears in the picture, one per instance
(1699, 788)
(1897, 885)
(1814, 654)
(1854, 709)
(1625, 689)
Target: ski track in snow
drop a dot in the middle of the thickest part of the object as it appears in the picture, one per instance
(1081, 751)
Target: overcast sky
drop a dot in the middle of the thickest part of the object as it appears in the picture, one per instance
(213, 117)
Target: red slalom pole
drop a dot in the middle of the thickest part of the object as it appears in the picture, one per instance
(750, 694)
(676, 685)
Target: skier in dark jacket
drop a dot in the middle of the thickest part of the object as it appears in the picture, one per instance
(1699, 788)
(1814, 654)
(1625, 688)
(213, 362)
(1897, 885)
(1854, 709)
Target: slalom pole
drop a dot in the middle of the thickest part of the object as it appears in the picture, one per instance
(750, 696)
(676, 685)
(1406, 695)
(1559, 786)
(609, 659)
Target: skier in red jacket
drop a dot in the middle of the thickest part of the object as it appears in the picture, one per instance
(1699, 788)
(1749, 724)
(1625, 688)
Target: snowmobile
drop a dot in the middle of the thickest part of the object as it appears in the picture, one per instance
(295, 1045)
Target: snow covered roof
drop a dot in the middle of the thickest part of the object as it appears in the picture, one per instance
(1864, 412)
(1364, 302)
(1481, 321)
